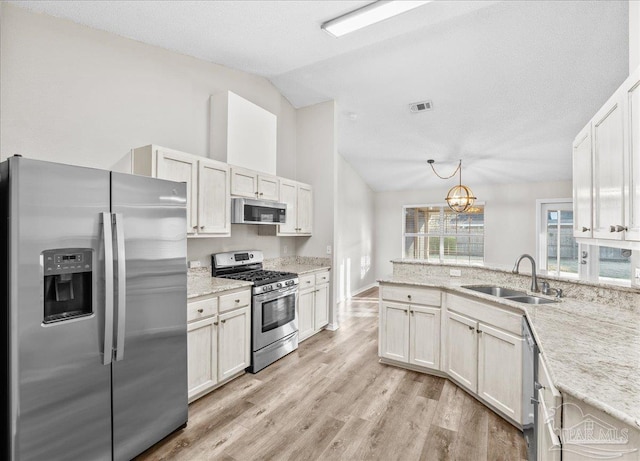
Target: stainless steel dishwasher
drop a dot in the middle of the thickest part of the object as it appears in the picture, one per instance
(529, 398)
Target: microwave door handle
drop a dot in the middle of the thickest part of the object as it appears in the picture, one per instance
(122, 287)
(108, 288)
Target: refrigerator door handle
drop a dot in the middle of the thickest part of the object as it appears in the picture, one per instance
(122, 287)
(108, 288)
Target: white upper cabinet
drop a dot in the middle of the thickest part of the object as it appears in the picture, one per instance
(608, 170)
(299, 200)
(582, 184)
(214, 207)
(631, 93)
(607, 151)
(251, 184)
(176, 166)
(208, 188)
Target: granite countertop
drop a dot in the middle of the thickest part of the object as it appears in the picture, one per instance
(200, 283)
(592, 350)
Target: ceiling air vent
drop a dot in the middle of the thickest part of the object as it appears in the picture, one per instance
(420, 106)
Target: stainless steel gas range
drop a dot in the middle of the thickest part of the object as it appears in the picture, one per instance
(274, 331)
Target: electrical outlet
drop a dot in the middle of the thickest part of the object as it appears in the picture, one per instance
(455, 272)
(638, 272)
(285, 249)
(328, 249)
(194, 264)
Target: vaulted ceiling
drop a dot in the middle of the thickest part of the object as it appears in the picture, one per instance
(511, 82)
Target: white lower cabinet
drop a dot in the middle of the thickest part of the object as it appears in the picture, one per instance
(218, 340)
(313, 304)
(500, 370)
(462, 350)
(410, 333)
(476, 344)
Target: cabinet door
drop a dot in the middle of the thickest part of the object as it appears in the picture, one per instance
(582, 184)
(234, 343)
(244, 183)
(202, 355)
(305, 209)
(424, 334)
(179, 167)
(608, 168)
(462, 350)
(500, 370)
(289, 195)
(632, 138)
(395, 332)
(548, 446)
(214, 198)
(321, 306)
(268, 187)
(305, 314)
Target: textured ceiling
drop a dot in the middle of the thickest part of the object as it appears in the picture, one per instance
(511, 82)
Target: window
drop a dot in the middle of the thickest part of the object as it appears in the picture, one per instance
(436, 233)
(561, 255)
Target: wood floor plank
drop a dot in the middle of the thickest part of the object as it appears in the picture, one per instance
(332, 400)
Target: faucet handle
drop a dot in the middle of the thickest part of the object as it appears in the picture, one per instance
(545, 287)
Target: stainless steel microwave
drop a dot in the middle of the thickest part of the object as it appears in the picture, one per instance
(250, 211)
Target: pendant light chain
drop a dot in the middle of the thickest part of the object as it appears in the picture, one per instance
(459, 198)
(431, 162)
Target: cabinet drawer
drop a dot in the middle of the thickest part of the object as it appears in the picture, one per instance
(487, 313)
(307, 281)
(548, 392)
(235, 300)
(411, 295)
(322, 277)
(197, 310)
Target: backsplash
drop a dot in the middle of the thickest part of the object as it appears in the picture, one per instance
(303, 260)
(623, 297)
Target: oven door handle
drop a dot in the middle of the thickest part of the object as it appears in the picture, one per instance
(276, 294)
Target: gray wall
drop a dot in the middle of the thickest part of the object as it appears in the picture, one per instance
(355, 235)
(77, 95)
(510, 219)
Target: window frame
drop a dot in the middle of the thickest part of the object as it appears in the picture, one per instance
(542, 206)
(442, 235)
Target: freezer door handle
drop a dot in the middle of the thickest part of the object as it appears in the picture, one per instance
(122, 287)
(108, 288)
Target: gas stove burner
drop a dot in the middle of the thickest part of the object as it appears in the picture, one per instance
(260, 277)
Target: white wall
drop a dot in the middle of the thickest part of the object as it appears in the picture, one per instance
(77, 95)
(510, 219)
(354, 239)
(634, 34)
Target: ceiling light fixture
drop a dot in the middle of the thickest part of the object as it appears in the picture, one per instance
(367, 15)
(459, 198)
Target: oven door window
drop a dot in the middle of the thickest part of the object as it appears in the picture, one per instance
(278, 312)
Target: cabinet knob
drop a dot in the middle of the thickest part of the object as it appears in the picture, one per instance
(215, 323)
(413, 313)
(479, 331)
(612, 228)
(201, 227)
(409, 297)
(471, 328)
(223, 321)
(621, 228)
(585, 229)
(195, 227)
(200, 311)
(261, 193)
(237, 300)
(406, 311)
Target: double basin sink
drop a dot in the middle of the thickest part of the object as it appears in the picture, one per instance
(511, 295)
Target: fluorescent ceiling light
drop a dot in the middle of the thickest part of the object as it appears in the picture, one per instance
(369, 14)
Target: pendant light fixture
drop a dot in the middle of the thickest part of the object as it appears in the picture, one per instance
(459, 198)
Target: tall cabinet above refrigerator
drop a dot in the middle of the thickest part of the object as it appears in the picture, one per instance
(93, 319)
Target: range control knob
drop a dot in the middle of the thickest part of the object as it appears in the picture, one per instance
(279, 285)
(251, 255)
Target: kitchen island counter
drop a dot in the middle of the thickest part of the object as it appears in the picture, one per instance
(592, 350)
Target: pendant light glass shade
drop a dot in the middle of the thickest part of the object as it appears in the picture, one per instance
(460, 198)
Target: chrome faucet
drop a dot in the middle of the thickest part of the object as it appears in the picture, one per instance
(534, 277)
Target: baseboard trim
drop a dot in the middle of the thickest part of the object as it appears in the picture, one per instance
(332, 327)
(363, 289)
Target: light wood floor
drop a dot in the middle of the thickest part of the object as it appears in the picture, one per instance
(332, 400)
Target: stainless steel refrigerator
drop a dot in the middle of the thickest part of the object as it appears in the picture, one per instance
(93, 318)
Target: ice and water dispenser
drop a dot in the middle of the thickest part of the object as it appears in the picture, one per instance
(67, 283)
